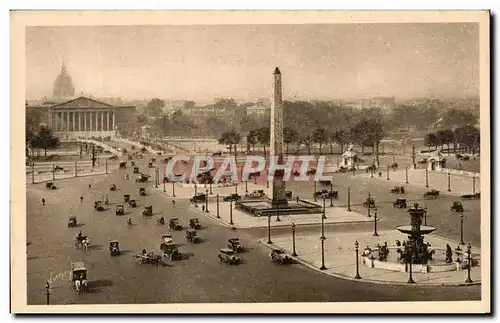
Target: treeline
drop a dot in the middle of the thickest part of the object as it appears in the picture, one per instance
(465, 139)
(43, 138)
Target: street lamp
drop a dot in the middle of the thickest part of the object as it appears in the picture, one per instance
(231, 212)
(331, 196)
(469, 263)
(410, 260)
(449, 180)
(236, 187)
(211, 188)
(406, 174)
(323, 217)
(426, 177)
(47, 291)
(323, 267)
(348, 199)
(387, 172)
(53, 172)
(156, 177)
(473, 184)
(356, 248)
(195, 189)
(375, 233)
(368, 200)
(164, 183)
(206, 200)
(314, 192)
(218, 216)
(246, 186)
(173, 189)
(462, 229)
(269, 229)
(413, 155)
(294, 253)
(324, 208)
(425, 215)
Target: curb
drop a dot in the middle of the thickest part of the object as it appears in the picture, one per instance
(368, 281)
(61, 179)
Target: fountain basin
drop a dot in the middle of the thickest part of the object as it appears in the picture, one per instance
(407, 229)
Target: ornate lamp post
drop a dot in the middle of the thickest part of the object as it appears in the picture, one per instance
(406, 174)
(348, 199)
(47, 292)
(331, 197)
(462, 229)
(314, 192)
(323, 267)
(156, 177)
(211, 188)
(387, 172)
(269, 229)
(473, 184)
(33, 173)
(231, 212)
(218, 216)
(206, 200)
(426, 177)
(469, 263)
(449, 180)
(369, 204)
(409, 261)
(375, 233)
(246, 186)
(294, 253)
(278, 212)
(323, 217)
(173, 189)
(425, 216)
(356, 248)
(413, 155)
(164, 183)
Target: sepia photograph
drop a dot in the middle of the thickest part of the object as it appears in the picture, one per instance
(250, 162)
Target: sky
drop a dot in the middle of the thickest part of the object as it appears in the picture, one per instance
(320, 62)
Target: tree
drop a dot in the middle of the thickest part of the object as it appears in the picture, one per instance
(453, 117)
(290, 136)
(188, 105)
(468, 137)
(230, 138)
(46, 140)
(155, 107)
(252, 139)
(320, 137)
(367, 133)
(431, 140)
(264, 137)
(449, 138)
(341, 138)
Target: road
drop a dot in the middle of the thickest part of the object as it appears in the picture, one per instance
(199, 278)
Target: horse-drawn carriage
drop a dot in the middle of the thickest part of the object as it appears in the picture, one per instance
(82, 242)
(72, 222)
(431, 194)
(393, 166)
(194, 224)
(256, 194)
(422, 161)
(142, 191)
(457, 207)
(326, 194)
(325, 183)
(120, 210)
(192, 236)
(114, 248)
(398, 190)
(235, 245)
(174, 224)
(400, 203)
(370, 202)
(233, 197)
(148, 258)
(311, 171)
(99, 206)
(167, 238)
(79, 278)
(288, 194)
(148, 211)
(112, 188)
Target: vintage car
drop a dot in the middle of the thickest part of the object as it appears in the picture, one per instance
(279, 256)
(123, 165)
(400, 203)
(142, 191)
(112, 188)
(99, 206)
(457, 207)
(79, 280)
(398, 190)
(150, 165)
(475, 196)
(191, 236)
(136, 170)
(142, 179)
(114, 248)
(288, 194)
(167, 238)
(200, 197)
(160, 221)
(153, 160)
(234, 244)
(422, 161)
(325, 183)
(370, 202)
(194, 224)
(174, 224)
(132, 203)
(326, 194)
(132, 163)
(233, 197)
(256, 194)
(170, 251)
(50, 186)
(227, 256)
(120, 210)
(72, 222)
(432, 194)
(126, 198)
(148, 211)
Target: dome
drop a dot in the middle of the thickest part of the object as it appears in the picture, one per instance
(63, 85)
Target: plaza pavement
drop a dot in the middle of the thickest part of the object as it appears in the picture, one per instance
(459, 184)
(41, 177)
(340, 257)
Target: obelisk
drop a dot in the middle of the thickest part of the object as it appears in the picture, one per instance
(277, 187)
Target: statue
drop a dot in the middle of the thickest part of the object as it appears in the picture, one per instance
(449, 254)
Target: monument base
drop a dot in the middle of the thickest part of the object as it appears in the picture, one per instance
(278, 203)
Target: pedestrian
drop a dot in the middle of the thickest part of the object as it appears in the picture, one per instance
(203, 208)
(90, 186)
(81, 199)
(173, 202)
(43, 201)
(297, 199)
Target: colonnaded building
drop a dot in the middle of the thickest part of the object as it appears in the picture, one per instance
(73, 117)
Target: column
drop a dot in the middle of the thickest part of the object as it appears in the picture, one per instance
(67, 121)
(91, 115)
(73, 128)
(107, 121)
(79, 121)
(114, 126)
(102, 120)
(84, 121)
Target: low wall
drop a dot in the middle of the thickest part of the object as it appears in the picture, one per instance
(459, 172)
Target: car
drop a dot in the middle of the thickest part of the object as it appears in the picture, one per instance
(233, 198)
(112, 188)
(132, 203)
(234, 244)
(167, 238)
(132, 162)
(475, 196)
(123, 165)
(398, 190)
(192, 236)
(136, 170)
(114, 248)
(78, 277)
(170, 251)
(432, 194)
(72, 222)
(279, 256)
(120, 210)
(227, 256)
(143, 178)
(99, 206)
(142, 191)
(457, 207)
(148, 211)
(126, 198)
(400, 203)
(256, 194)
(174, 224)
(194, 224)
(200, 197)
(288, 194)
(50, 186)
(150, 165)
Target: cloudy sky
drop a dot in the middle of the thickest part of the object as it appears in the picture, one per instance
(202, 62)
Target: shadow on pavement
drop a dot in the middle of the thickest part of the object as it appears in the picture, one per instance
(95, 247)
(96, 284)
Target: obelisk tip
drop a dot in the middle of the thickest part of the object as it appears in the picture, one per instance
(277, 71)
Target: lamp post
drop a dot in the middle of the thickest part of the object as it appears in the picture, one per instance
(348, 199)
(156, 177)
(426, 177)
(267, 184)
(314, 192)
(47, 292)
(387, 172)
(53, 172)
(449, 180)
(231, 212)
(410, 260)
(173, 189)
(211, 188)
(195, 189)
(323, 267)
(331, 196)
(425, 215)
(462, 229)
(356, 248)
(413, 155)
(406, 174)
(323, 217)
(368, 200)
(33, 173)
(246, 186)
(473, 184)
(469, 263)
(76, 169)
(164, 184)
(218, 216)
(206, 200)
(269, 229)
(278, 212)
(375, 233)
(294, 253)
(105, 164)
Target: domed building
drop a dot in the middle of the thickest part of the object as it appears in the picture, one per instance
(63, 85)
